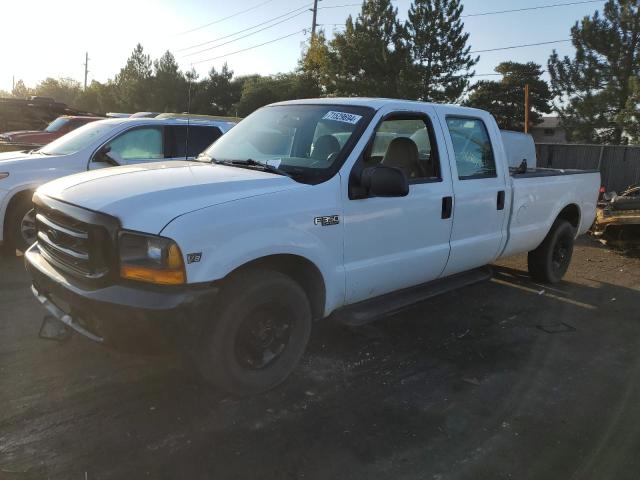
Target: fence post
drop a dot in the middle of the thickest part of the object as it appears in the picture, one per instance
(600, 158)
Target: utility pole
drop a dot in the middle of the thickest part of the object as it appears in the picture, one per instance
(313, 22)
(526, 108)
(86, 68)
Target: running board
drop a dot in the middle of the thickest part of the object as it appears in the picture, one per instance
(369, 310)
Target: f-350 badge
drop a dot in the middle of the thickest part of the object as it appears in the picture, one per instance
(327, 220)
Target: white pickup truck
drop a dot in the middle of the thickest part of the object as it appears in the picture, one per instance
(354, 207)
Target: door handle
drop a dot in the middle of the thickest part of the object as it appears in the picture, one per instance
(447, 205)
(500, 203)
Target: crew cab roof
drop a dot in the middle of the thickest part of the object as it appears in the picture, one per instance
(376, 103)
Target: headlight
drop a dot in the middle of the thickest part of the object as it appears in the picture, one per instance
(152, 259)
(4, 175)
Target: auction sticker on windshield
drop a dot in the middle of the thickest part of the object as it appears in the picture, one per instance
(351, 118)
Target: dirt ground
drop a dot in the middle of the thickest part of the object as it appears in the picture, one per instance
(503, 379)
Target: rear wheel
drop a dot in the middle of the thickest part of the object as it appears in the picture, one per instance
(258, 334)
(549, 262)
(21, 224)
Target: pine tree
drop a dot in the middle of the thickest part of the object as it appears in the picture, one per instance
(505, 98)
(134, 82)
(370, 57)
(439, 50)
(595, 86)
(169, 85)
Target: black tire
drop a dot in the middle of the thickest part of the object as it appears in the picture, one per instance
(549, 262)
(15, 216)
(229, 356)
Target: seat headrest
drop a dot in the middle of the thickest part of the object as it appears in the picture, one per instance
(325, 146)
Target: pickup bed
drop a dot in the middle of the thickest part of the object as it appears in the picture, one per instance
(352, 207)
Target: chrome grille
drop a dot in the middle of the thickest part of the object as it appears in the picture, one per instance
(72, 244)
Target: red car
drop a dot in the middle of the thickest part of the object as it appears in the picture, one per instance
(55, 129)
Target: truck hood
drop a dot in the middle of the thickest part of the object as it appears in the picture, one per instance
(145, 197)
(8, 158)
(29, 136)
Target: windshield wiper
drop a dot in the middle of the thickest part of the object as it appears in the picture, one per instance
(249, 162)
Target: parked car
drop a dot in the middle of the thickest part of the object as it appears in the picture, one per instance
(352, 207)
(59, 127)
(99, 144)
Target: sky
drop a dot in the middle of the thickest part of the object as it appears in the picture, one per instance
(49, 39)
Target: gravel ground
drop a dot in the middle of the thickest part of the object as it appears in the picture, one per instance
(503, 379)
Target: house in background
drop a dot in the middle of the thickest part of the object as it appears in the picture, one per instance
(549, 131)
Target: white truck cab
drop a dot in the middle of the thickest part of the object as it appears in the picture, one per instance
(355, 207)
(100, 144)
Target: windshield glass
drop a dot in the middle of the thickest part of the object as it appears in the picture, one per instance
(78, 139)
(56, 125)
(303, 140)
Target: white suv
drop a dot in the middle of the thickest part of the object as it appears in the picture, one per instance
(100, 144)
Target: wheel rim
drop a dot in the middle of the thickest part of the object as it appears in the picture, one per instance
(262, 337)
(561, 254)
(28, 227)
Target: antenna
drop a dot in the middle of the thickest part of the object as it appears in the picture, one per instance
(186, 140)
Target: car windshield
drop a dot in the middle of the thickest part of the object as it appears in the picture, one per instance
(56, 125)
(78, 139)
(305, 141)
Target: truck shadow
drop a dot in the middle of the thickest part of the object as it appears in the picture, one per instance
(443, 377)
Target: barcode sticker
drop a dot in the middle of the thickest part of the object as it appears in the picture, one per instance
(351, 118)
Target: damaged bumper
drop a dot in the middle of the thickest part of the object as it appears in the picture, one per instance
(119, 314)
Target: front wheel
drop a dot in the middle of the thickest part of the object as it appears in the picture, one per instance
(257, 335)
(21, 224)
(549, 262)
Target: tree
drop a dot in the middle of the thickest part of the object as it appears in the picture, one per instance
(370, 57)
(20, 90)
(505, 98)
(630, 116)
(258, 91)
(315, 63)
(439, 50)
(133, 83)
(169, 85)
(594, 87)
(217, 93)
(65, 90)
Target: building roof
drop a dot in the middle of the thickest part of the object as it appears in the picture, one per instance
(549, 121)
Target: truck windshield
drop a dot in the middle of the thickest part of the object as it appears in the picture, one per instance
(56, 125)
(306, 141)
(78, 139)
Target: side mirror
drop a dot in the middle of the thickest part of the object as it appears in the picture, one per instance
(383, 181)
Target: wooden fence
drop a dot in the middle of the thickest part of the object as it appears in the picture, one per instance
(619, 165)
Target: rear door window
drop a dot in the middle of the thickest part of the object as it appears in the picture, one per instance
(472, 148)
(190, 143)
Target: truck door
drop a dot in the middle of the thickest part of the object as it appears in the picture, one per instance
(397, 242)
(479, 190)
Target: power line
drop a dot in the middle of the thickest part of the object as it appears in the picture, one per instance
(244, 36)
(539, 7)
(519, 46)
(480, 14)
(226, 18)
(243, 30)
(304, 30)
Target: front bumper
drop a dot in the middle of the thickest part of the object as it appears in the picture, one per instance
(127, 315)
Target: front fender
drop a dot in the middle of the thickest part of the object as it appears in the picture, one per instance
(233, 234)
